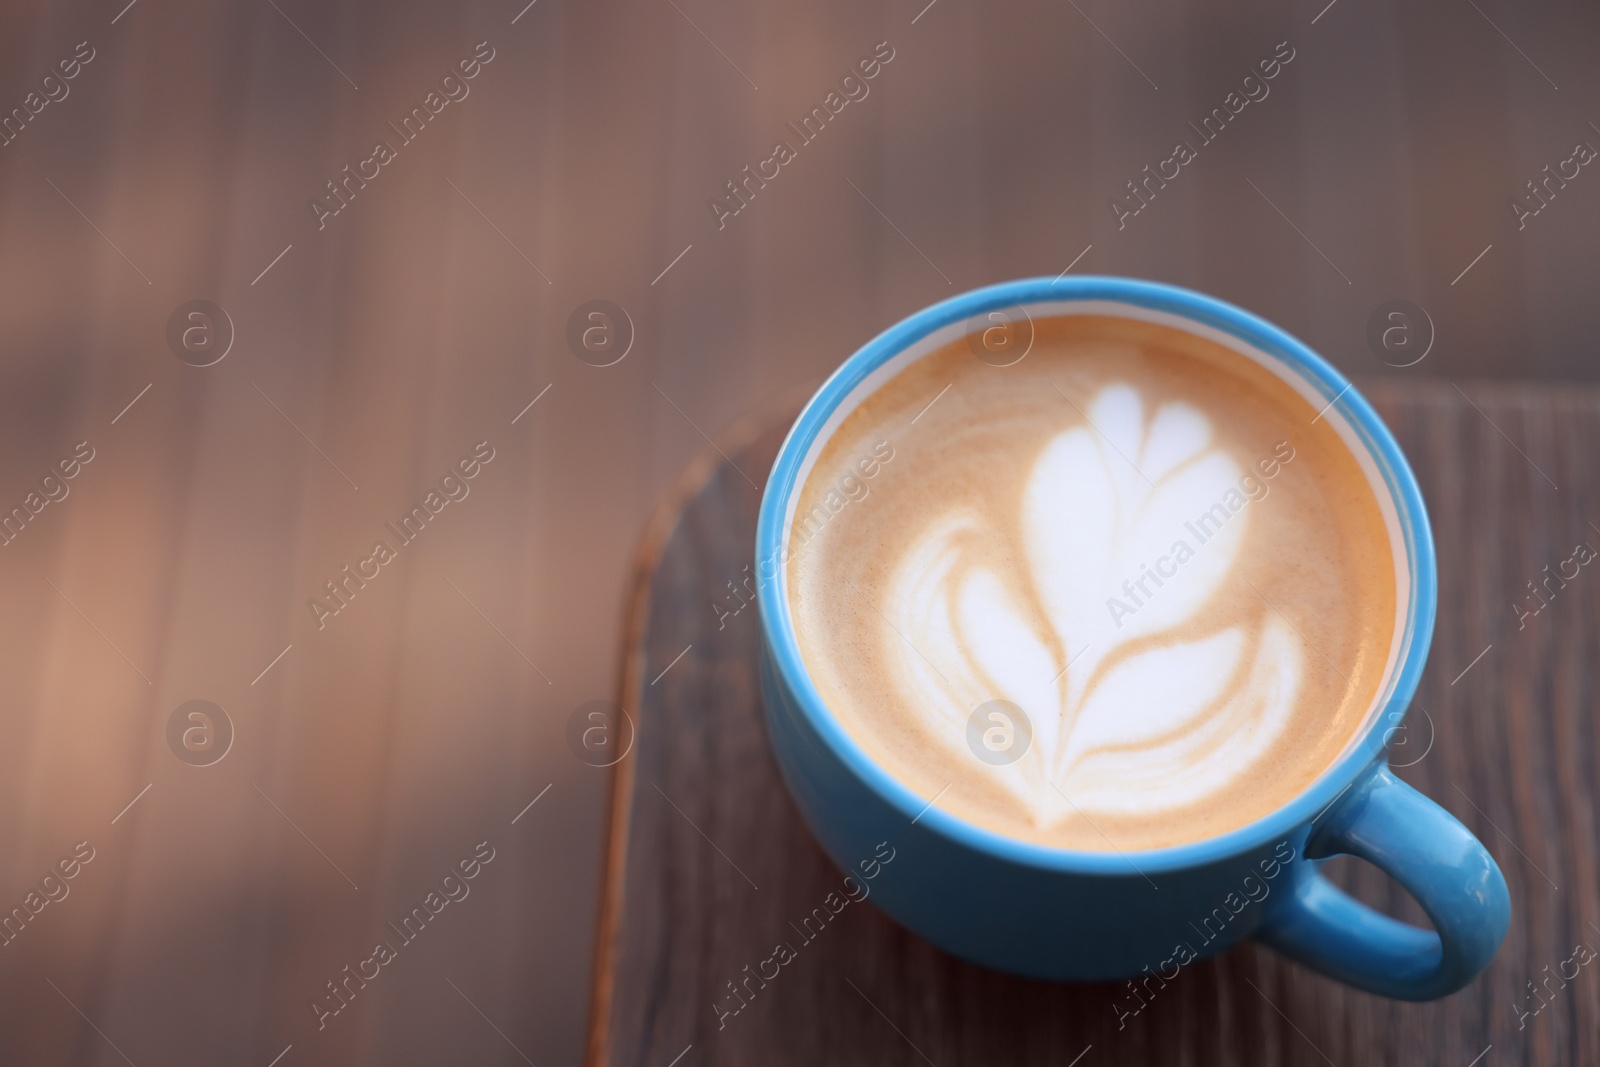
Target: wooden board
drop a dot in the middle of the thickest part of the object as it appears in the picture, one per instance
(709, 861)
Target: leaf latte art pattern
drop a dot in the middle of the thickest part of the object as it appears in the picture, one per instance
(1146, 714)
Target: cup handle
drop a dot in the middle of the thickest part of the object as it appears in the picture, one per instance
(1420, 845)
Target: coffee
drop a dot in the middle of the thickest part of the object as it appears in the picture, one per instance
(1130, 591)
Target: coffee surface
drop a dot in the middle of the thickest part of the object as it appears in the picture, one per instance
(1128, 592)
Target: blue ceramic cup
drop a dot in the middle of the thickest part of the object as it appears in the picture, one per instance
(1063, 914)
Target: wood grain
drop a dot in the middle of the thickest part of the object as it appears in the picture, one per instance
(709, 861)
(432, 309)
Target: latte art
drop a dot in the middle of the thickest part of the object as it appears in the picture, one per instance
(1172, 719)
(1137, 540)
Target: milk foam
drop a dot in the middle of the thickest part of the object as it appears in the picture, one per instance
(1164, 726)
(1147, 542)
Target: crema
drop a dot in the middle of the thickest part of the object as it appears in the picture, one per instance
(1130, 591)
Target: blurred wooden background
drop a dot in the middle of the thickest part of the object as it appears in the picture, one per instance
(370, 355)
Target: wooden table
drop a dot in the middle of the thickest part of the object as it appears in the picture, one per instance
(709, 860)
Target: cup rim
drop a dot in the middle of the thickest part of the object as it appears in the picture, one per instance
(777, 623)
